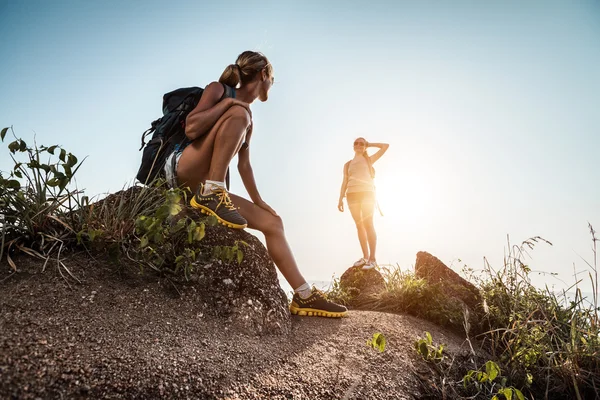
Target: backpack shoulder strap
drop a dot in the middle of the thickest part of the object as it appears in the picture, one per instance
(227, 92)
(370, 164)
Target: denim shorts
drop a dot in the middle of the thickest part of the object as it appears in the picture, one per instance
(171, 168)
(360, 197)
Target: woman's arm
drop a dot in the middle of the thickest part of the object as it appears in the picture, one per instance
(208, 111)
(343, 189)
(247, 175)
(382, 149)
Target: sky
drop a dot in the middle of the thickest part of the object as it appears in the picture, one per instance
(490, 109)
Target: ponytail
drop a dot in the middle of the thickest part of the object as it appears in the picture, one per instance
(247, 65)
(232, 76)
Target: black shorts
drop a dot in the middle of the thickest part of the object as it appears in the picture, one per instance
(361, 197)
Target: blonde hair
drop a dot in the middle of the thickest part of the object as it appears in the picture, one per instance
(247, 65)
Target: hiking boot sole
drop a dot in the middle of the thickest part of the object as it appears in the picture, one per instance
(208, 211)
(313, 312)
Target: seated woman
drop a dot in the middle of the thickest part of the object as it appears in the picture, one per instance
(219, 128)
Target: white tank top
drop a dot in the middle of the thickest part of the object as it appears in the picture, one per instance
(359, 176)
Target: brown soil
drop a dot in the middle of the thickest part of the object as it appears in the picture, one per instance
(121, 335)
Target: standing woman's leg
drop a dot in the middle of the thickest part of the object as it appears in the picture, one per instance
(367, 209)
(355, 210)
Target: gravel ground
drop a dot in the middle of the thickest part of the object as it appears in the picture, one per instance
(122, 335)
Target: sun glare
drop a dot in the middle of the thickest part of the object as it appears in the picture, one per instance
(405, 197)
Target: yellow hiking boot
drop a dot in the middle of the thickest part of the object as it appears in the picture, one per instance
(316, 305)
(219, 204)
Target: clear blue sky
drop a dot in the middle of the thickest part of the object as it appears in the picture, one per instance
(490, 109)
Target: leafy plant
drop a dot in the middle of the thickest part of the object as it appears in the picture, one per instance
(405, 293)
(536, 335)
(166, 240)
(547, 345)
(41, 216)
(425, 347)
(230, 253)
(337, 293)
(35, 200)
(377, 342)
(485, 381)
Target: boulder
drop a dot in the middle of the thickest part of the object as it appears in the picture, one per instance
(246, 294)
(360, 285)
(434, 271)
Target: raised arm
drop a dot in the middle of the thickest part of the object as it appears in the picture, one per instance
(208, 111)
(382, 149)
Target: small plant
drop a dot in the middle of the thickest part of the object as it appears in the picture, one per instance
(36, 201)
(377, 342)
(230, 253)
(406, 293)
(337, 293)
(425, 347)
(486, 381)
(166, 241)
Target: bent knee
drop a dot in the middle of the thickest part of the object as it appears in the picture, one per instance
(274, 224)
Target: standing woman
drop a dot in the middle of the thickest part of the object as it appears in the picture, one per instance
(359, 190)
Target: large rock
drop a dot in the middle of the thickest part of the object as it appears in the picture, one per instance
(360, 285)
(430, 268)
(245, 294)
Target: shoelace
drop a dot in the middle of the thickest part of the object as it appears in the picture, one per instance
(319, 293)
(224, 199)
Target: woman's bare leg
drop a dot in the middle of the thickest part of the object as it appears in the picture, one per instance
(367, 209)
(228, 142)
(277, 245)
(208, 157)
(356, 211)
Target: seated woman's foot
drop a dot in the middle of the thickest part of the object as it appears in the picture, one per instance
(316, 305)
(370, 265)
(360, 262)
(219, 205)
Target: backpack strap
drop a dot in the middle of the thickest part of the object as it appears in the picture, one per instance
(378, 208)
(370, 164)
(149, 131)
(228, 91)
